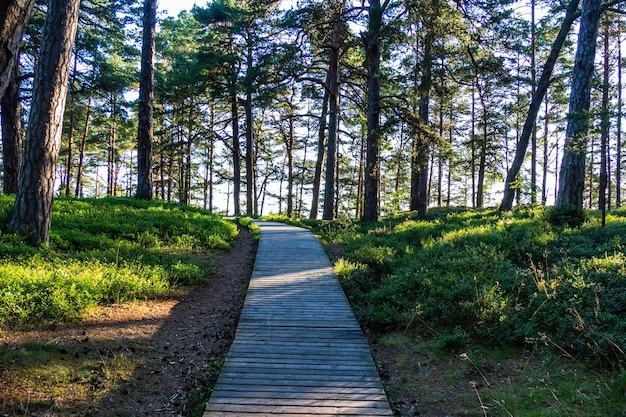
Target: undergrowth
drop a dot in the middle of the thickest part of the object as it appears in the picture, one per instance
(508, 279)
(105, 251)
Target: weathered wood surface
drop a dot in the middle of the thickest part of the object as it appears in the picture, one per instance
(298, 350)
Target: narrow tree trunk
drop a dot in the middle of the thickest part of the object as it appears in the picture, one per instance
(14, 16)
(234, 109)
(604, 129)
(32, 212)
(546, 126)
(111, 148)
(440, 161)
(290, 177)
(618, 160)
(319, 163)
(78, 192)
(12, 138)
(146, 98)
(70, 134)
(533, 77)
(372, 149)
(482, 164)
(535, 104)
(571, 181)
(473, 145)
(250, 174)
(333, 118)
(359, 188)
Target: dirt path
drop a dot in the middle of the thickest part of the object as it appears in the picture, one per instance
(147, 358)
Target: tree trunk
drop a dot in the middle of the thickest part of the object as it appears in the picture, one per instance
(546, 131)
(618, 160)
(112, 148)
(572, 177)
(146, 98)
(250, 171)
(70, 134)
(234, 109)
(533, 78)
(12, 138)
(319, 163)
(372, 148)
(604, 128)
(290, 178)
(32, 212)
(482, 164)
(333, 118)
(14, 16)
(424, 89)
(81, 155)
(535, 104)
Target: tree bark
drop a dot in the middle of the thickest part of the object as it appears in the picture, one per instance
(333, 118)
(618, 160)
(535, 104)
(81, 153)
(12, 138)
(146, 98)
(572, 177)
(372, 148)
(70, 134)
(14, 16)
(319, 163)
(424, 109)
(604, 129)
(234, 109)
(32, 212)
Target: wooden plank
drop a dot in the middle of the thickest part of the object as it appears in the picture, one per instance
(298, 350)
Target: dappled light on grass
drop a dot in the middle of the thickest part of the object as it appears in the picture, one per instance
(106, 251)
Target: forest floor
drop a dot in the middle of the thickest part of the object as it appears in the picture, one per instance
(146, 358)
(161, 358)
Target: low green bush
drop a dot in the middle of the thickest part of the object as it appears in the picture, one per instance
(503, 278)
(105, 251)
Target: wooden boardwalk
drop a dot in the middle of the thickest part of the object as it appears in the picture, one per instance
(298, 350)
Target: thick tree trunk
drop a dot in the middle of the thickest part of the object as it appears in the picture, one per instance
(544, 82)
(424, 89)
(333, 118)
(14, 16)
(146, 97)
(32, 212)
(12, 138)
(319, 163)
(372, 148)
(572, 177)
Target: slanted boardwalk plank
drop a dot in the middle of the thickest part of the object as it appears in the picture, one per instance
(298, 350)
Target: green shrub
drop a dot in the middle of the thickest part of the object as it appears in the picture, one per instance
(106, 251)
(510, 278)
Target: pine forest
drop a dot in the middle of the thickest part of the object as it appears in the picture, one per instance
(328, 109)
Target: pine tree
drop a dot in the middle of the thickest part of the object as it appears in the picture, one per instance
(32, 212)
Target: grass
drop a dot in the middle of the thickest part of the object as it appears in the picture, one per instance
(550, 299)
(105, 251)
